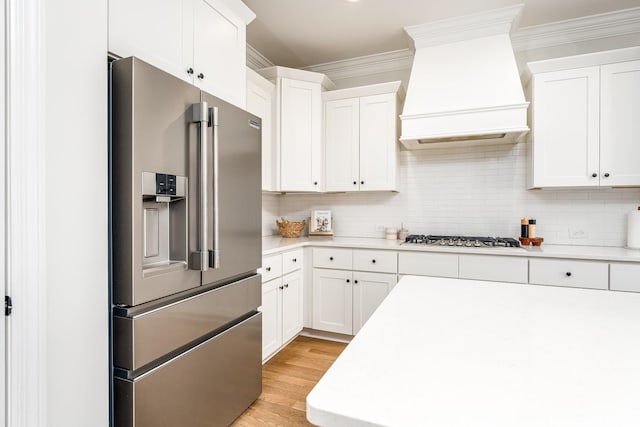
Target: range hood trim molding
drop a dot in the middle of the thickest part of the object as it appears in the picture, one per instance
(452, 30)
(523, 105)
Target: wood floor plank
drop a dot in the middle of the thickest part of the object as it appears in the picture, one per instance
(287, 379)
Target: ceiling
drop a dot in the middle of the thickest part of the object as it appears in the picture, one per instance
(299, 33)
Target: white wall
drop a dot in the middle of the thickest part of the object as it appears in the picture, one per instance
(76, 222)
(474, 191)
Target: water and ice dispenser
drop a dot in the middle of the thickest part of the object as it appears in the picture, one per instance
(164, 203)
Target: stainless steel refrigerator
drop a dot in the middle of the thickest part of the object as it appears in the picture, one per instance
(185, 249)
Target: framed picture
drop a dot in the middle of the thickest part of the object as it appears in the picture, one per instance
(321, 224)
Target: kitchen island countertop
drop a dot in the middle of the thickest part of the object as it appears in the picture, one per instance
(451, 352)
(276, 244)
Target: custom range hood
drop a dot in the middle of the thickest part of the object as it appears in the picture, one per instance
(464, 85)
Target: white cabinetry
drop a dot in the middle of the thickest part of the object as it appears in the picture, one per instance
(562, 272)
(343, 298)
(493, 268)
(584, 128)
(625, 277)
(298, 121)
(261, 102)
(332, 301)
(200, 41)
(474, 267)
(428, 264)
(282, 300)
(360, 137)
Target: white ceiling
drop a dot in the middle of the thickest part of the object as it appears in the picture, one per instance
(299, 33)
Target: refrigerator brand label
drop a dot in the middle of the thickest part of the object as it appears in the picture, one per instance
(254, 124)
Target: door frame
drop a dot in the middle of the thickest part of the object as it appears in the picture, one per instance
(24, 195)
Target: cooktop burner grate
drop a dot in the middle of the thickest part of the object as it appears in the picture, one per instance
(467, 241)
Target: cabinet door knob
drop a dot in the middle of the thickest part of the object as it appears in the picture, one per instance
(355, 182)
(568, 273)
(330, 258)
(295, 260)
(348, 281)
(606, 175)
(189, 70)
(373, 261)
(594, 175)
(281, 287)
(355, 281)
(201, 76)
(315, 182)
(268, 268)
(362, 182)
(286, 286)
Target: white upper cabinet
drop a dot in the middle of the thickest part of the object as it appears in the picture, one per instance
(300, 139)
(342, 144)
(298, 128)
(261, 102)
(360, 138)
(585, 132)
(620, 124)
(200, 41)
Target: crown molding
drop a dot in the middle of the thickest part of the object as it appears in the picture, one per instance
(460, 28)
(397, 60)
(610, 24)
(256, 60)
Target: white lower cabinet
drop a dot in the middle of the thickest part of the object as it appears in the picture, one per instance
(493, 268)
(428, 264)
(271, 317)
(332, 301)
(291, 305)
(343, 299)
(369, 290)
(625, 277)
(282, 301)
(564, 272)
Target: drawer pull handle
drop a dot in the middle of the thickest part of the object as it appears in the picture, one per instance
(330, 258)
(268, 268)
(373, 261)
(568, 273)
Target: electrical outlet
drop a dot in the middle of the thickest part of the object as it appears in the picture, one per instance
(577, 233)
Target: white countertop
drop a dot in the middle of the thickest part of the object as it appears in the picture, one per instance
(276, 244)
(451, 352)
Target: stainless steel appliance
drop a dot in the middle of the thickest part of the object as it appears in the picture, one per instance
(467, 241)
(186, 246)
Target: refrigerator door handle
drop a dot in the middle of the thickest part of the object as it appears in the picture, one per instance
(214, 253)
(199, 258)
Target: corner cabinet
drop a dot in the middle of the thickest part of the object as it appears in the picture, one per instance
(584, 120)
(298, 128)
(349, 285)
(361, 137)
(200, 41)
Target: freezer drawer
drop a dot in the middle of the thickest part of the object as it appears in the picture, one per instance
(142, 338)
(209, 385)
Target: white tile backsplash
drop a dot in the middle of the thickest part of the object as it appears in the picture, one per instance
(472, 191)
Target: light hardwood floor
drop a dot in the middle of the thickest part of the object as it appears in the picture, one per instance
(287, 379)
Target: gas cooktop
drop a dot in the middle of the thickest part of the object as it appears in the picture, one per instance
(467, 241)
